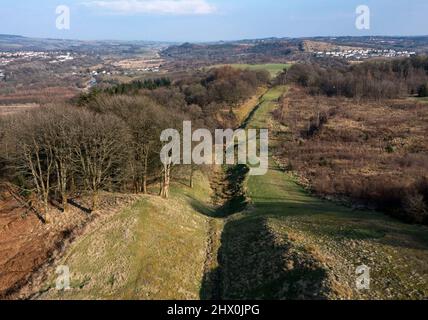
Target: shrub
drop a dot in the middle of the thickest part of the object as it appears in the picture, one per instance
(423, 91)
(416, 208)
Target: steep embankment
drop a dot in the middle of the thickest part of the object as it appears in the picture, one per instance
(290, 245)
(154, 250)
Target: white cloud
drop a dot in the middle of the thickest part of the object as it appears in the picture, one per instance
(172, 7)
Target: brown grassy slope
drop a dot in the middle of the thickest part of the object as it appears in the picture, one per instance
(27, 244)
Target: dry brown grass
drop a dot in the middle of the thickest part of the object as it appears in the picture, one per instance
(315, 46)
(40, 95)
(374, 152)
(16, 108)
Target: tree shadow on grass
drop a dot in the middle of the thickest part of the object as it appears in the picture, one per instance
(79, 206)
(256, 263)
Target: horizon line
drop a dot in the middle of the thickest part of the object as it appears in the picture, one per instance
(216, 41)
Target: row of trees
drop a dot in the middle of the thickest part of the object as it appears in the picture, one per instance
(370, 80)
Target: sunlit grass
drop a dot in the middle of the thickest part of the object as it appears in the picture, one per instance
(273, 68)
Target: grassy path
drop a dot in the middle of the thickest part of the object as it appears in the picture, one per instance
(292, 245)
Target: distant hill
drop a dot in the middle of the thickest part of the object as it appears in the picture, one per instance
(280, 50)
(417, 43)
(271, 49)
(235, 51)
(17, 43)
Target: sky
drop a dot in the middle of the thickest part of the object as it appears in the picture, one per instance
(210, 20)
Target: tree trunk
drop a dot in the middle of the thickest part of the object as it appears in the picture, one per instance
(166, 179)
(94, 200)
(192, 172)
(146, 164)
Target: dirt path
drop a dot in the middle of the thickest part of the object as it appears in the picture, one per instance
(212, 289)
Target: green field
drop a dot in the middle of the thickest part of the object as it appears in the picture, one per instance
(417, 99)
(273, 68)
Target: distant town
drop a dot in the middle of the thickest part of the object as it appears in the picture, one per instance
(363, 54)
(76, 64)
(21, 56)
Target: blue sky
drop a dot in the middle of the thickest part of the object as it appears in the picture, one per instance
(210, 20)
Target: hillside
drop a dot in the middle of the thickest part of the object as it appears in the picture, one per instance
(152, 250)
(286, 244)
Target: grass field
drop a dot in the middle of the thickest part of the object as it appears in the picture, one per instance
(273, 68)
(417, 99)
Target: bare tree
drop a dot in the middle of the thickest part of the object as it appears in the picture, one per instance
(101, 151)
(35, 154)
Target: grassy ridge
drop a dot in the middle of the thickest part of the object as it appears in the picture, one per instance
(313, 247)
(273, 68)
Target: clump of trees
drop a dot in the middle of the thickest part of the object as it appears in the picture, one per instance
(225, 85)
(415, 202)
(133, 88)
(57, 150)
(145, 120)
(378, 79)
